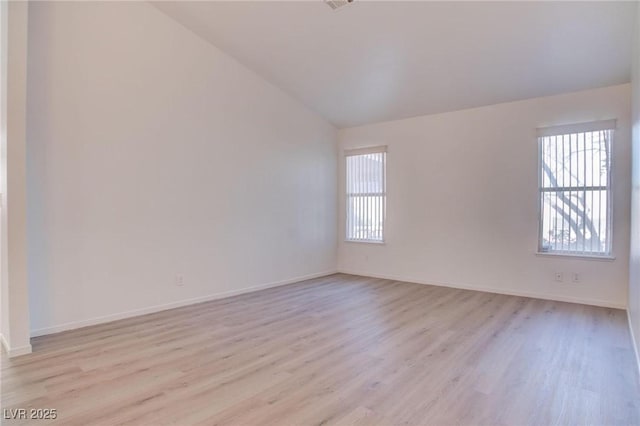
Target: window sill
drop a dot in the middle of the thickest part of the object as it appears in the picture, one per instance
(607, 258)
(375, 242)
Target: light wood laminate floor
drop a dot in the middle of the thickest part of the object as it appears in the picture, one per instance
(339, 350)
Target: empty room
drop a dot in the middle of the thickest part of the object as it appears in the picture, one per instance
(344, 212)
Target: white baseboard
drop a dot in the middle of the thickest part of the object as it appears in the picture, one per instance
(21, 350)
(633, 341)
(157, 308)
(534, 295)
(13, 352)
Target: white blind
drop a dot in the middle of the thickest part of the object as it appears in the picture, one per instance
(365, 194)
(575, 189)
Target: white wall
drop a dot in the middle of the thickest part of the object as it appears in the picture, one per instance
(152, 153)
(634, 256)
(462, 200)
(13, 146)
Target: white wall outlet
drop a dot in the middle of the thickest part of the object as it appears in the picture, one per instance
(559, 277)
(575, 277)
(179, 280)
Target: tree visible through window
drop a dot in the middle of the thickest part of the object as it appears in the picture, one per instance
(575, 198)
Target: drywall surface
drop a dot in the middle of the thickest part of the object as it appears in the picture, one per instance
(13, 180)
(462, 200)
(155, 159)
(634, 255)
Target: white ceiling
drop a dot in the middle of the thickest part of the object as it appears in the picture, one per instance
(375, 61)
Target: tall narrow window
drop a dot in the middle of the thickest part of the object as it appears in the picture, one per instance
(575, 188)
(366, 194)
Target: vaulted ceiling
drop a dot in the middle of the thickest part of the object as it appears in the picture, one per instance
(374, 61)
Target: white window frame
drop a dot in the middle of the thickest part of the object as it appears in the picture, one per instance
(571, 129)
(348, 195)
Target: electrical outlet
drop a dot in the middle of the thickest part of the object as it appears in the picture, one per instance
(559, 277)
(575, 277)
(179, 280)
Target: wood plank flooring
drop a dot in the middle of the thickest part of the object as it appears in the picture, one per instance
(339, 350)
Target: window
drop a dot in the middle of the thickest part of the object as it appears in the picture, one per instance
(366, 194)
(575, 188)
